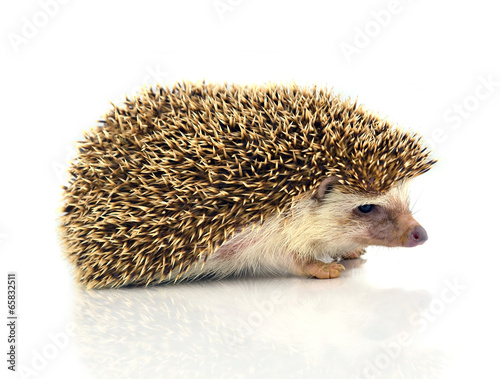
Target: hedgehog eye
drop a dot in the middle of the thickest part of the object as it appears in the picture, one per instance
(367, 208)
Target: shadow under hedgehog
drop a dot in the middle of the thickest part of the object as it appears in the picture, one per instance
(205, 179)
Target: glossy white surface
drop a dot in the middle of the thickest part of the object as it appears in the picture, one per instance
(394, 314)
(427, 312)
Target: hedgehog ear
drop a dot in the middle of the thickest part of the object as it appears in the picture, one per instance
(325, 186)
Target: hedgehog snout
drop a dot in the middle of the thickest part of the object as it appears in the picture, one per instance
(416, 236)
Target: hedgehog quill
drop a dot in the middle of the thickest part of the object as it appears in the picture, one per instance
(215, 180)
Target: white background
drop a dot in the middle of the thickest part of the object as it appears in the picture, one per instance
(427, 312)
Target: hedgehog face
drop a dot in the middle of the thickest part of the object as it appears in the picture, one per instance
(380, 220)
(387, 221)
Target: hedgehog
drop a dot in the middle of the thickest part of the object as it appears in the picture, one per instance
(215, 180)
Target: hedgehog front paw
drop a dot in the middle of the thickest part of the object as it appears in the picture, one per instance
(322, 270)
(354, 254)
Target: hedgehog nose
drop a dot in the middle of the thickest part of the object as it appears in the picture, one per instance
(416, 236)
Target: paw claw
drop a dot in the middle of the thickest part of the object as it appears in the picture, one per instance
(322, 270)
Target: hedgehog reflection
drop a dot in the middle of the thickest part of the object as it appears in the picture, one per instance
(252, 328)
